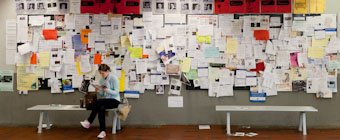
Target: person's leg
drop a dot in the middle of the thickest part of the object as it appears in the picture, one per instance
(95, 111)
(105, 104)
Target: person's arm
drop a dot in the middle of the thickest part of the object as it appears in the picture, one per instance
(115, 89)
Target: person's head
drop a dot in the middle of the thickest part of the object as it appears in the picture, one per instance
(104, 70)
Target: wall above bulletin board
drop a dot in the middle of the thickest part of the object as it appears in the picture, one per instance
(257, 45)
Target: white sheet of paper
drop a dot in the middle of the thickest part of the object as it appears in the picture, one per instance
(25, 48)
(251, 81)
(22, 28)
(9, 57)
(105, 27)
(69, 56)
(205, 30)
(175, 87)
(75, 6)
(225, 90)
(175, 18)
(85, 65)
(36, 20)
(175, 101)
(141, 67)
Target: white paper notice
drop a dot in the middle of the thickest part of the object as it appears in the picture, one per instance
(75, 6)
(24, 49)
(175, 101)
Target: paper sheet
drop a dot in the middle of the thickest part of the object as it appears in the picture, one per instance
(232, 45)
(316, 52)
(24, 49)
(175, 87)
(26, 81)
(6, 80)
(186, 65)
(175, 101)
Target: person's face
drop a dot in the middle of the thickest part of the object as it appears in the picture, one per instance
(104, 74)
(21, 6)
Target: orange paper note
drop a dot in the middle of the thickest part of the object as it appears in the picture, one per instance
(97, 59)
(84, 35)
(261, 34)
(50, 34)
(33, 59)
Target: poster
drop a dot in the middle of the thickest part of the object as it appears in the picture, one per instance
(221, 6)
(268, 6)
(316, 6)
(257, 97)
(26, 81)
(236, 6)
(67, 84)
(283, 6)
(6, 80)
(89, 6)
(252, 6)
(300, 6)
(127, 7)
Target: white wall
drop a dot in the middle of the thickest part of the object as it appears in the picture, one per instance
(7, 11)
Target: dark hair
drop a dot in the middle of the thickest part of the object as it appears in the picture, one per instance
(104, 67)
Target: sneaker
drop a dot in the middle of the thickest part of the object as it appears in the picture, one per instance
(101, 135)
(85, 124)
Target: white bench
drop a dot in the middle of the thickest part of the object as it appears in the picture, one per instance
(44, 109)
(301, 109)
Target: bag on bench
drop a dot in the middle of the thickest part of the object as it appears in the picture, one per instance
(90, 100)
(124, 109)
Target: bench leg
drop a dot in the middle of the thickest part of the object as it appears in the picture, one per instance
(114, 122)
(304, 125)
(300, 121)
(228, 124)
(118, 124)
(47, 119)
(41, 118)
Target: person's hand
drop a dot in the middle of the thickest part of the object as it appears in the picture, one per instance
(97, 89)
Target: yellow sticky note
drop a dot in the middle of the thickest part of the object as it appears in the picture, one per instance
(320, 42)
(122, 82)
(203, 39)
(185, 65)
(44, 59)
(232, 45)
(316, 6)
(300, 6)
(125, 41)
(136, 52)
(316, 52)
